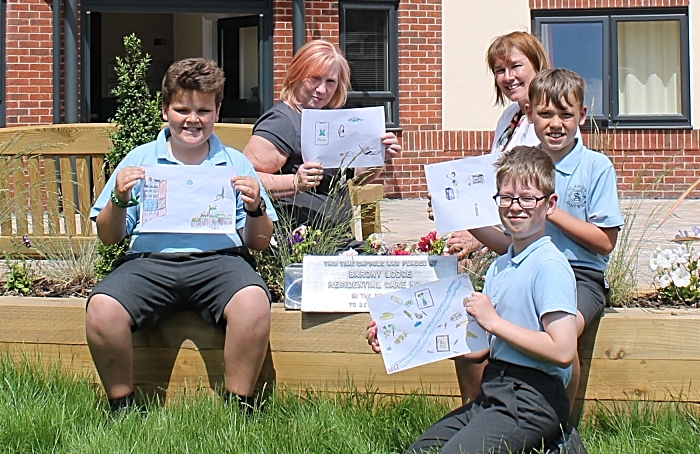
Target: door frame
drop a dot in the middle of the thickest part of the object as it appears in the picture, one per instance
(245, 7)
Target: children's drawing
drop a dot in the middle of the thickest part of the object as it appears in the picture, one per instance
(424, 298)
(322, 137)
(356, 144)
(468, 186)
(442, 343)
(188, 199)
(443, 330)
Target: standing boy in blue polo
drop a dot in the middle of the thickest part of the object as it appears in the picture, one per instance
(587, 219)
(529, 310)
(164, 273)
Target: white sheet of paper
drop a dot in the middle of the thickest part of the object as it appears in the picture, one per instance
(426, 323)
(462, 193)
(343, 137)
(188, 199)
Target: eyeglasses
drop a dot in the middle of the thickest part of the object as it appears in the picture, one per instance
(526, 202)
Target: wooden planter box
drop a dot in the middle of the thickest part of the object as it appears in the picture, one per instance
(634, 353)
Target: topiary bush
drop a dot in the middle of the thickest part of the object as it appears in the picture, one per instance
(138, 121)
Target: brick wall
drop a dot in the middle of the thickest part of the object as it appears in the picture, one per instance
(650, 163)
(28, 78)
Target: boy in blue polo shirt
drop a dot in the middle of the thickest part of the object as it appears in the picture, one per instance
(529, 310)
(164, 273)
(587, 219)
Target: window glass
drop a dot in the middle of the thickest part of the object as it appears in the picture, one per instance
(565, 49)
(366, 49)
(649, 67)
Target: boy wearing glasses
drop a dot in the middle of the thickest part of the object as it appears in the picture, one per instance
(531, 324)
(587, 219)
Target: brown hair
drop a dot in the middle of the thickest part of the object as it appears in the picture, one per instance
(529, 166)
(556, 86)
(193, 74)
(526, 43)
(311, 60)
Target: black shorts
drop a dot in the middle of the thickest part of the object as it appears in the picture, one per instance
(590, 293)
(153, 286)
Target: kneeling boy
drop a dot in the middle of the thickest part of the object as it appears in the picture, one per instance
(529, 309)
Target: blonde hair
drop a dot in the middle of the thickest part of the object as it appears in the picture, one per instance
(501, 48)
(529, 166)
(311, 60)
(193, 74)
(557, 86)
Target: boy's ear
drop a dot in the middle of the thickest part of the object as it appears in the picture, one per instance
(528, 112)
(552, 204)
(164, 112)
(582, 115)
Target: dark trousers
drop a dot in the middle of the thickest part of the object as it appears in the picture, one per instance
(518, 409)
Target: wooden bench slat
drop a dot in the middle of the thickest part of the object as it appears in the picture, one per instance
(36, 202)
(52, 195)
(67, 194)
(84, 194)
(6, 200)
(98, 176)
(20, 201)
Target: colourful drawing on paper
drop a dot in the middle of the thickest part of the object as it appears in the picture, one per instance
(188, 199)
(437, 328)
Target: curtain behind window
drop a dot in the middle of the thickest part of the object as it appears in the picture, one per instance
(649, 67)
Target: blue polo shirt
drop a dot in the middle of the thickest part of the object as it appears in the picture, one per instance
(587, 188)
(525, 287)
(156, 152)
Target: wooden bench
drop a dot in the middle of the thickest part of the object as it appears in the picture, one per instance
(635, 353)
(53, 174)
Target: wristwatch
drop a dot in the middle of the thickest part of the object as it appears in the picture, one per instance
(259, 212)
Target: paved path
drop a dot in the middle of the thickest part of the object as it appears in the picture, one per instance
(407, 220)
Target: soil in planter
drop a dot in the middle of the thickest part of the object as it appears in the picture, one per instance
(46, 288)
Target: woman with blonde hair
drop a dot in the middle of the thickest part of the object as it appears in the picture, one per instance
(317, 78)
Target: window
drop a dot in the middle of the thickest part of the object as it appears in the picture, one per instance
(635, 62)
(369, 40)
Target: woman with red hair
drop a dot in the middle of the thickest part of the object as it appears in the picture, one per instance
(317, 78)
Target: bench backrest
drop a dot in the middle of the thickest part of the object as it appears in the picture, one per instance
(53, 173)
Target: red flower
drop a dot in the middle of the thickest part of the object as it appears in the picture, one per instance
(427, 241)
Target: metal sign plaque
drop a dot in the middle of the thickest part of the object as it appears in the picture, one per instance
(344, 283)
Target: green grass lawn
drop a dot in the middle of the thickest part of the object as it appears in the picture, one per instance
(43, 409)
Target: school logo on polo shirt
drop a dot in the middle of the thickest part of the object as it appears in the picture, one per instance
(576, 196)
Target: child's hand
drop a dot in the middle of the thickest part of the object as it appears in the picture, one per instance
(371, 336)
(126, 180)
(480, 307)
(249, 189)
